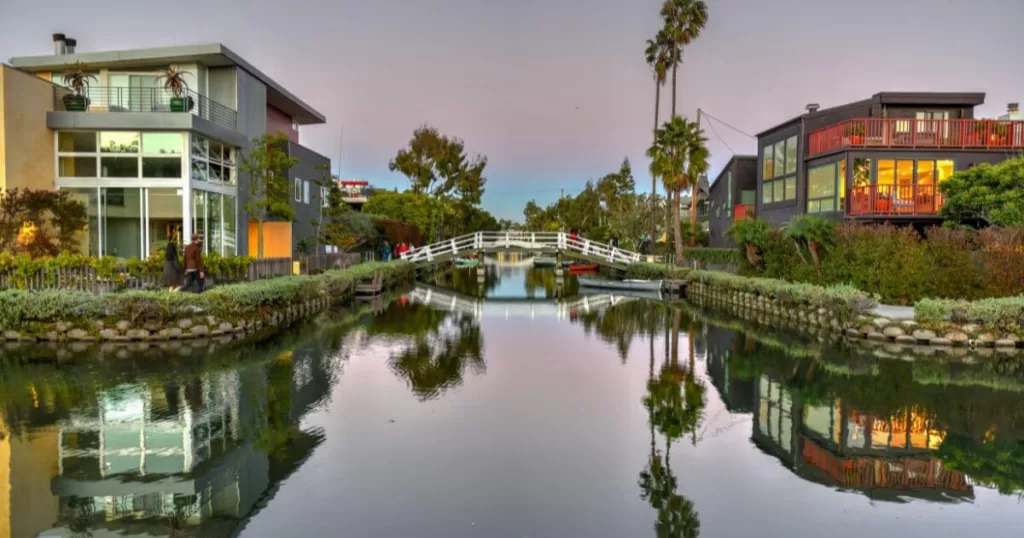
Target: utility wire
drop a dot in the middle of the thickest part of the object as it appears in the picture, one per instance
(720, 139)
(730, 126)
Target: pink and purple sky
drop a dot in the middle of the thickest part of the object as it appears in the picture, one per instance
(556, 92)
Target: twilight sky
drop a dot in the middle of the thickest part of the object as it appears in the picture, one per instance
(556, 92)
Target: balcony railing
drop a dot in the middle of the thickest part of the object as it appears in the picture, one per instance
(122, 99)
(895, 200)
(914, 133)
(742, 211)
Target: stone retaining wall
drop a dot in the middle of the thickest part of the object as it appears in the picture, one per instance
(869, 330)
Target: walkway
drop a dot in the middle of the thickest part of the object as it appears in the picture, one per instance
(532, 242)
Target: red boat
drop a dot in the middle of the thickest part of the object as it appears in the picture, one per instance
(582, 268)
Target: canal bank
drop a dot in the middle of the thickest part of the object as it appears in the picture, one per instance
(144, 316)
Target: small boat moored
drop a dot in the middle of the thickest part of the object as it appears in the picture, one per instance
(634, 285)
(583, 268)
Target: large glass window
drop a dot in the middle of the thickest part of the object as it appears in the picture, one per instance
(780, 158)
(886, 172)
(821, 188)
(214, 224)
(76, 142)
(161, 143)
(118, 167)
(89, 238)
(791, 155)
(768, 162)
(122, 222)
(230, 226)
(161, 167)
(214, 218)
(199, 214)
(945, 170)
(119, 142)
(904, 172)
(77, 167)
(212, 161)
(925, 172)
(166, 220)
(779, 166)
(119, 154)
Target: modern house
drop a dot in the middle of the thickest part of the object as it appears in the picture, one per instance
(879, 159)
(732, 196)
(355, 192)
(149, 168)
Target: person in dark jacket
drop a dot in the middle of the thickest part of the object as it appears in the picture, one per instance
(172, 277)
(194, 265)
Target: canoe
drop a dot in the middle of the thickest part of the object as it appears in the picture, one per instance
(634, 285)
(541, 261)
(583, 268)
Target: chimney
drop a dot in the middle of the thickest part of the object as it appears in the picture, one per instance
(59, 48)
(69, 45)
(1013, 108)
(812, 108)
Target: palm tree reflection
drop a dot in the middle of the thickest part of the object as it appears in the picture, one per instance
(436, 360)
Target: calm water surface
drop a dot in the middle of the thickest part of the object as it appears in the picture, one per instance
(429, 417)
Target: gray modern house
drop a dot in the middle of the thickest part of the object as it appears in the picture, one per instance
(152, 168)
(732, 196)
(880, 159)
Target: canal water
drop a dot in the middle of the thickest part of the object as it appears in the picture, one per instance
(423, 416)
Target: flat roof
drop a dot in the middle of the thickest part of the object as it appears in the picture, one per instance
(211, 55)
(896, 98)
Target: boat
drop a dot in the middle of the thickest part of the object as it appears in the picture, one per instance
(583, 268)
(466, 263)
(541, 261)
(634, 285)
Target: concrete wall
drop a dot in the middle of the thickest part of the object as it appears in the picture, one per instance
(252, 122)
(307, 170)
(26, 144)
(220, 82)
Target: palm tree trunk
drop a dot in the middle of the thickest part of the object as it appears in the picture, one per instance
(675, 67)
(668, 220)
(678, 227)
(675, 336)
(654, 179)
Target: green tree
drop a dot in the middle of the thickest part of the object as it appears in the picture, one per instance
(992, 194)
(420, 209)
(438, 165)
(813, 231)
(751, 236)
(684, 21)
(677, 154)
(266, 165)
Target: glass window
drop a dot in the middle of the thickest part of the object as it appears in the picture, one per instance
(230, 226)
(768, 162)
(166, 220)
(766, 193)
(122, 222)
(76, 142)
(791, 155)
(200, 146)
(119, 167)
(305, 191)
(77, 167)
(791, 188)
(886, 172)
(199, 214)
(780, 192)
(780, 157)
(214, 224)
(905, 172)
(842, 185)
(945, 170)
(89, 238)
(298, 190)
(821, 181)
(161, 143)
(861, 172)
(119, 142)
(161, 167)
(216, 172)
(925, 172)
(199, 171)
(216, 151)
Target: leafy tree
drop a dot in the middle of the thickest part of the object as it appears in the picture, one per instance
(438, 165)
(993, 194)
(814, 231)
(678, 155)
(267, 165)
(659, 57)
(419, 209)
(40, 222)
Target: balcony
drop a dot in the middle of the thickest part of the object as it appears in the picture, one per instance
(123, 99)
(914, 133)
(895, 200)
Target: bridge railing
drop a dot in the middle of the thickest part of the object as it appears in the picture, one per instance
(559, 241)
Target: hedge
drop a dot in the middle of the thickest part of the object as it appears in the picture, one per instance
(248, 300)
(1003, 314)
(654, 271)
(842, 300)
(712, 256)
(22, 267)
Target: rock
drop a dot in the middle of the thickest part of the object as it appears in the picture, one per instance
(12, 335)
(877, 337)
(924, 335)
(216, 332)
(163, 334)
(881, 323)
(199, 330)
(184, 324)
(62, 327)
(123, 326)
(98, 324)
(51, 336)
(958, 338)
(867, 328)
(152, 326)
(174, 332)
(77, 334)
(893, 331)
(942, 342)
(853, 333)
(108, 334)
(1012, 337)
(1005, 342)
(971, 328)
(908, 325)
(225, 327)
(121, 338)
(904, 339)
(137, 334)
(986, 339)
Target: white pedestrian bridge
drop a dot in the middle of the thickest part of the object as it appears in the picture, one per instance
(517, 241)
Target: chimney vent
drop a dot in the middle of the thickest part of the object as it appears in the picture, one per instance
(69, 45)
(1013, 108)
(59, 48)
(812, 108)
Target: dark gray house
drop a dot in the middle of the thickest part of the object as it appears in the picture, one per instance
(880, 159)
(732, 196)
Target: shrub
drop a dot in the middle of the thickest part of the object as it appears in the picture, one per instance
(1005, 314)
(1000, 252)
(750, 235)
(654, 271)
(712, 256)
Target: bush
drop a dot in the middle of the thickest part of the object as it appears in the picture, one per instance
(1004, 314)
(712, 256)
(654, 271)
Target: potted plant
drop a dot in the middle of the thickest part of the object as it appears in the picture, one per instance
(174, 82)
(76, 77)
(855, 134)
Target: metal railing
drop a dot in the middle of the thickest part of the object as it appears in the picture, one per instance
(895, 200)
(124, 99)
(915, 133)
(526, 241)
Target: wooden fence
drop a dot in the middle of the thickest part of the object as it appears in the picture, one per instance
(87, 279)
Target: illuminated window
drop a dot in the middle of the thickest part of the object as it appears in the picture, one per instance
(945, 170)
(886, 172)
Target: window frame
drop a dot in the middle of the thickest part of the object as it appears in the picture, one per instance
(297, 190)
(785, 179)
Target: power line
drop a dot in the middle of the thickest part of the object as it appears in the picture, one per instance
(720, 139)
(730, 126)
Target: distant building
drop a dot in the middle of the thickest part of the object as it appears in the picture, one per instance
(356, 192)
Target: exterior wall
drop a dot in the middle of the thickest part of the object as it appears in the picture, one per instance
(308, 168)
(252, 123)
(277, 239)
(26, 144)
(221, 85)
(744, 177)
(279, 122)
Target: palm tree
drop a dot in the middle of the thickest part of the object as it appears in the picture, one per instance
(659, 58)
(678, 153)
(684, 20)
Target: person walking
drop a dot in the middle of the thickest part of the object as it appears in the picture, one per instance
(194, 265)
(173, 278)
(385, 251)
